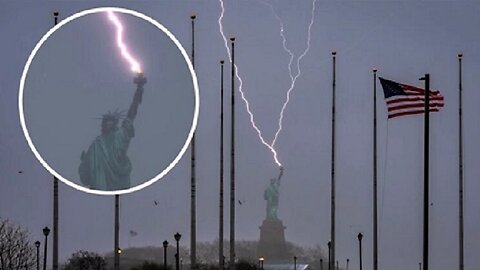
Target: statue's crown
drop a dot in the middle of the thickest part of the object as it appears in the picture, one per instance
(114, 116)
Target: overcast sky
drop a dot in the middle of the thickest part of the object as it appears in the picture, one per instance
(404, 40)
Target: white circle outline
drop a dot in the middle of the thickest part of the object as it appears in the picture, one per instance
(195, 86)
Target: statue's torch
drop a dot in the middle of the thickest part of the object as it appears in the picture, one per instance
(140, 80)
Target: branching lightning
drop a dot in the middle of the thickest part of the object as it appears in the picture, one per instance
(247, 104)
(134, 65)
(293, 78)
(284, 39)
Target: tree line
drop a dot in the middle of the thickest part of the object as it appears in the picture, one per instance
(18, 251)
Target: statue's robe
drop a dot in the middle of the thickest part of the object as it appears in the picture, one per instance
(271, 195)
(105, 165)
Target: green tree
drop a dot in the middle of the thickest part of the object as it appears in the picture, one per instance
(84, 260)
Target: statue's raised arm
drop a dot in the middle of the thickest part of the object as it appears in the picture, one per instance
(140, 81)
(279, 176)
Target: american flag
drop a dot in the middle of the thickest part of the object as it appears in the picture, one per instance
(404, 99)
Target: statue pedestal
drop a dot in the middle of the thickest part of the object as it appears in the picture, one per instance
(272, 245)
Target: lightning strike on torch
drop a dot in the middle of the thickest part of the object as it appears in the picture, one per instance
(293, 78)
(134, 65)
(247, 104)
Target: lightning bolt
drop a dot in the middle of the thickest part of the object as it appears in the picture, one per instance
(293, 77)
(134, 65)
(240, 88)
(284, 39)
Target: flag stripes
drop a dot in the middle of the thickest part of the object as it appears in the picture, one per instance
(403, 99)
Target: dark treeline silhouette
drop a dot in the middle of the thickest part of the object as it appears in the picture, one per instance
(84, 260)
(143, 258)
(17, 250)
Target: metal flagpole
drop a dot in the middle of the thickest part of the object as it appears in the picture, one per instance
(116, 255)
(329, 244)
(375, 212)
(55, 225)
(426, 145)
(232, 162)
(332, 198)
(55, 201)
(220, 203)
(460, 167)
(193, 210)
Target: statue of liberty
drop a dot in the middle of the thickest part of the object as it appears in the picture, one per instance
(105, 165)
(271, 195)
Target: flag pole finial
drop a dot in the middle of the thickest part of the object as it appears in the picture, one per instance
(221, 62)
(193, 16)
(460, 55)
(374, 70)
(334, 53)
(232, 39)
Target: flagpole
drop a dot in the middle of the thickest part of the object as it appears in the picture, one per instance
(55, 201)
(426, 146)
(116, 255)
(375, 212)
(232, 161)
(460, 156)
(332, 198)
(193, 206)
(220, 221)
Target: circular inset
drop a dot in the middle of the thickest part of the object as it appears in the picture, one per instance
(62, 103)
